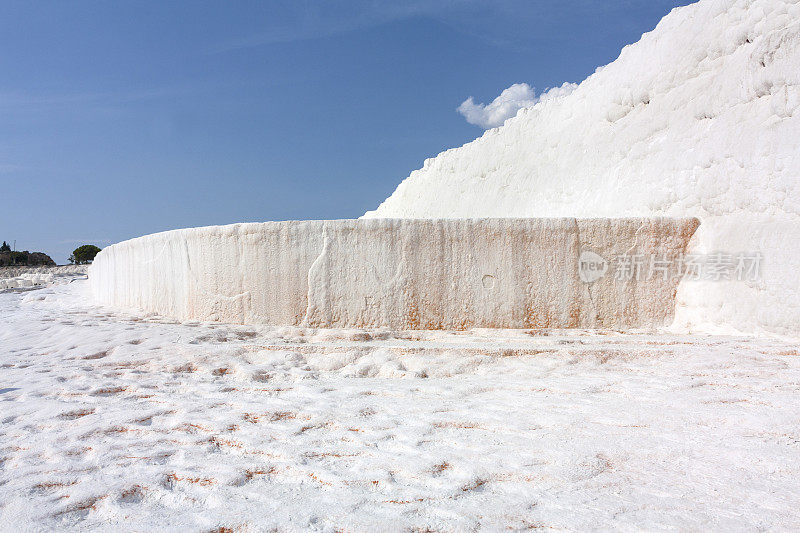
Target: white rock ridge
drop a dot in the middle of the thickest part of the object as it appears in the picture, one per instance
(699, 118)
(403, 274)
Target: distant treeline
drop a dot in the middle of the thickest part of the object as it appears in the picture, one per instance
(25, 258)
(80, 256)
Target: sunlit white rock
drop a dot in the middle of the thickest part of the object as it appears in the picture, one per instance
(408, 274)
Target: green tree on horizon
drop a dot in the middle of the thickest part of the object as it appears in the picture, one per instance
(83, 255)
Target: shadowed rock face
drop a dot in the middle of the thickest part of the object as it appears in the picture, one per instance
(404, 274)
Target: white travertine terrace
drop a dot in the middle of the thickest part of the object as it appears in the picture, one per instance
(408, 274)
(699, 118)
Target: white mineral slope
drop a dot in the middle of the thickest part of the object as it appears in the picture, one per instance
(699, 118)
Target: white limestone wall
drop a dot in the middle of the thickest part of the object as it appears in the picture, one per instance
(403, 274)
(699, 118)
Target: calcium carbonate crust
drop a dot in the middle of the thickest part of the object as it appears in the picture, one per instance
(699, 118)
(402, 274)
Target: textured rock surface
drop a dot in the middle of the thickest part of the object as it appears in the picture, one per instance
(699, 118)
(114, 421)
(24, 278)
(63, 270)
(410, 274)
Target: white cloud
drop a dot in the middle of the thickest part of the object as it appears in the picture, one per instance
(509, 103)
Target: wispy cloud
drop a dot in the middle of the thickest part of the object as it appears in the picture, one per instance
(507, 24)
(19, 100)
(508, 104)
(304, 20)
(10, 168)
(85, 241)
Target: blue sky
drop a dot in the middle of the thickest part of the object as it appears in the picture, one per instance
(119, 119)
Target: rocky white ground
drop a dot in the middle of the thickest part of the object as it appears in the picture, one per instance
(124, 422)
(29, 277)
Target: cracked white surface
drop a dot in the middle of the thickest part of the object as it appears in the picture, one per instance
(127, 422)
